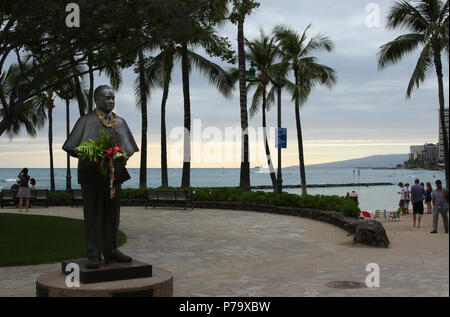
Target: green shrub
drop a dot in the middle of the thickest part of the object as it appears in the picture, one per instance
(58, 196)
(134, 193)
(201, 194)
(349, 208)
(320, 202)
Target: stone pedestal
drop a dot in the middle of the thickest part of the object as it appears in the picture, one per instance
(107, 273)
(160, 284)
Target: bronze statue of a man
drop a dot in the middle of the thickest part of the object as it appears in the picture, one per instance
(101, 213)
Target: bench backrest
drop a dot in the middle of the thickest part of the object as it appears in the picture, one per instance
(77, 194)
(152, 194)
(8, 194)
(180, 194)
(166, 194)
(42, 194)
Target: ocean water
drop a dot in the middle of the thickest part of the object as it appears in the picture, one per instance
(371, 198)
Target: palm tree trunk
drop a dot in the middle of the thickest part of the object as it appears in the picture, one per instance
(245, 164)
(266, 142)
(186, 176)
(91, 84)
(300, 141)
(164, 172)
(68, 172)
(80, 97)
(438, 64)
(50, 145)
(143, 97)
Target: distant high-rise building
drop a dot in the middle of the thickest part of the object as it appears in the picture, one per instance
(430, 153)
(416, 152)
(441, 134)
(427, 152)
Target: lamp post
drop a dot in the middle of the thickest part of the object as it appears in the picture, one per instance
(279, 83)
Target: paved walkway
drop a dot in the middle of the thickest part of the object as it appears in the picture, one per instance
(234, 253)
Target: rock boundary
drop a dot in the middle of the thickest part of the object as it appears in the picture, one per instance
(367, 232)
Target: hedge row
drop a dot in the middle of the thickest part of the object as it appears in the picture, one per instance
(333, 203)
(319, 202)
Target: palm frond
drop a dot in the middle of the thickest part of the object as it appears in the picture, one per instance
(424, 65)
(256, 100)
(404, 14)
(216, 74)
(318, 43)
(113, 72)
(391, 52)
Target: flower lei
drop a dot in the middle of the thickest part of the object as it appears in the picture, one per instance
(113, 154)
(109, 126)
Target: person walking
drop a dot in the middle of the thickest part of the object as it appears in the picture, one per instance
(440, 206)
(428, 198)
(24, 190)
(417, 196)
(402, 201)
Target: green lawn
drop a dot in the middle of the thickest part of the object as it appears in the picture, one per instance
(31, 239)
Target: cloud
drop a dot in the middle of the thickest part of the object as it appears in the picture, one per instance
(366, 104)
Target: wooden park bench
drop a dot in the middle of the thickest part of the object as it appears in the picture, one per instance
(40, 195)
(76, 196)
(9, 197)
(168, 196)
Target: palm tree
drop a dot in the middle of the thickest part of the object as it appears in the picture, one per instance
(159, 72)
(427, 20)
(144, 83)
(68, 92)
(218, 77)
(297, 51)
(167, 57)
(245, 163)
(241, 9)
(263, 52)
(143, 94)
(50, 107)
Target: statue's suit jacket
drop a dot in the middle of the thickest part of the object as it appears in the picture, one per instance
(88, 127)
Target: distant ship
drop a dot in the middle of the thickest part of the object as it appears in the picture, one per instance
(262, 170)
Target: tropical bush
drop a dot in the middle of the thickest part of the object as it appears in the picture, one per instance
(319, 202)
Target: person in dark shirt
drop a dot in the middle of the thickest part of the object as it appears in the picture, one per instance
(418, 194)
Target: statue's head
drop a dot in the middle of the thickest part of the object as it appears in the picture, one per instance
(104, 98)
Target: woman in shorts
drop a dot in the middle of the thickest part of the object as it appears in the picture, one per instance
(24, 190)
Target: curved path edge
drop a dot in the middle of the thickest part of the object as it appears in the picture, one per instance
(368, 232)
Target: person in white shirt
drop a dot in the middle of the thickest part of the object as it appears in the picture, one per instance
(403, 195)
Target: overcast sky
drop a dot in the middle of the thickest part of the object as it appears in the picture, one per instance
(365, 114)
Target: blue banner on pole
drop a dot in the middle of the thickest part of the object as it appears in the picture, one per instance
(281, 138)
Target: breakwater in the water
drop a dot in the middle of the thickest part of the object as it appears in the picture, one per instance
(327, 185)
